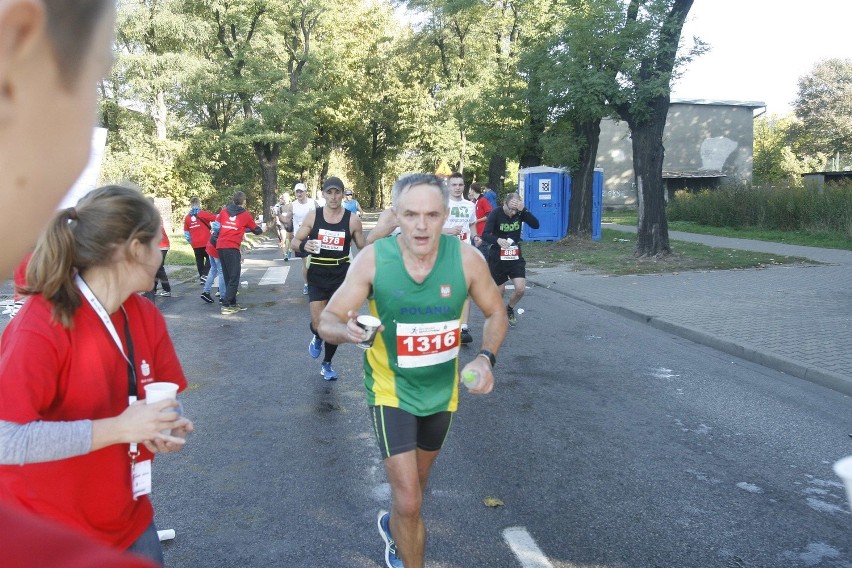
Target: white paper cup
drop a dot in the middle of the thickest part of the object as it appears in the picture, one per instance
(371, 325)
(843, 469)
(318, 244)
(155, 392)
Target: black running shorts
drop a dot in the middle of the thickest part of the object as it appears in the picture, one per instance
(505, 270)
(398, 431)
(323, 281)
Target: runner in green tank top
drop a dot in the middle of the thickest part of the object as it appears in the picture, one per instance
(416, 284)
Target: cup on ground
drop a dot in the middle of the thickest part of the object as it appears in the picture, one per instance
(843, 469)
(371, 325)
(155, 392)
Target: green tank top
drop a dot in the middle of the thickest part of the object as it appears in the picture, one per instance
(413, 364)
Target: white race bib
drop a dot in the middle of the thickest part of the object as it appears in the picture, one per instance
(426, 344)
(331, 240)
(511, 253)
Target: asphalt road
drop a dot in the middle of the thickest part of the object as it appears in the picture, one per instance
(608, 442)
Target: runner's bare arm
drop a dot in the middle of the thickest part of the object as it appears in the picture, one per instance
(303, 232)
(486, 295)
(357, 230)
(384, 226)
(337, 320)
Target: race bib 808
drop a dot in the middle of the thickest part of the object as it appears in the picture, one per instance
(425, 344)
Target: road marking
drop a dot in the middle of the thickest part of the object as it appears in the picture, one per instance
(525, 548)
(275, 275)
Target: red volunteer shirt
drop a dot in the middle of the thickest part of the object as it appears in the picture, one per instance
(233, 228)
(199, 228)
(50, 373)
(483, 208)
(28, 541)
(164, 239)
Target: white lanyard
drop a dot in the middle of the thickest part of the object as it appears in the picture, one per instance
(102, 313)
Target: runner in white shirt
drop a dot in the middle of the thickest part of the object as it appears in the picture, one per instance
(301, 207)
(461, 222)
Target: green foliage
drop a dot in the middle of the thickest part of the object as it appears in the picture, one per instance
(824, 107)
(785, 208)
(775, 159)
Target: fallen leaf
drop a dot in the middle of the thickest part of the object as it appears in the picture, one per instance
(492, 502)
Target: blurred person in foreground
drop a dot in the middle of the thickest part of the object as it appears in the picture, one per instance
(417, 285)
(73, 364)
(52, 54)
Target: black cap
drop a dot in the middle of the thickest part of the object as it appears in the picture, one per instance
(332, 182)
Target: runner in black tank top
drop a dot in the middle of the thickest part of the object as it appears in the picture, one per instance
(326, 235)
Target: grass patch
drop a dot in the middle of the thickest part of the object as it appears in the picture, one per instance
(803, 237)
(613, 254)
(621, 217)
(822, 239)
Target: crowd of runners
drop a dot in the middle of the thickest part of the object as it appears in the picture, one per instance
(436, 250)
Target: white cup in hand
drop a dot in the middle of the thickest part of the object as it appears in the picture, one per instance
(155, 392)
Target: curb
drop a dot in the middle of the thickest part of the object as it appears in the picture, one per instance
(808, 373)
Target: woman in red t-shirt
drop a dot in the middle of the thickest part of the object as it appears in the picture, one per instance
(483, 208)
(83, 345)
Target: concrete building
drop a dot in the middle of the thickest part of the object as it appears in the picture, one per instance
(708, 143)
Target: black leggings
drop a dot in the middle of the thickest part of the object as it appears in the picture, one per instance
(202, 261)
(161, 277)
(230, 259)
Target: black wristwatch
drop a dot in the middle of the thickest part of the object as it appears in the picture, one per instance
(491, 358)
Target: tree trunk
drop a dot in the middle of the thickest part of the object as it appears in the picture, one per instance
(497, 173)
(267, 155)
(462, 151)
(648, 153)
(580, 207)
(323, 173)
(160, 114)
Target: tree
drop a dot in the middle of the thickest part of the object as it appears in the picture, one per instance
(653, 28)
(824, 107)
(775, 160)
(580, 63)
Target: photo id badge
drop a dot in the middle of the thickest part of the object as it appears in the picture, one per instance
(140, 478)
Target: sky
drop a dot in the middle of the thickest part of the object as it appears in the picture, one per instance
(760, 48)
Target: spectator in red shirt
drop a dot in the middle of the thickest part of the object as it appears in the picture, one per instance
(234, 222)
(196, 229)
(162, 278)
(82, 346)
(483, 208)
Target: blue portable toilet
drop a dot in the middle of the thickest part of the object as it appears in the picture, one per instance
(597, 203)
(546, 192)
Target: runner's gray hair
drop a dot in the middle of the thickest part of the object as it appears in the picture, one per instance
(406, 181)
